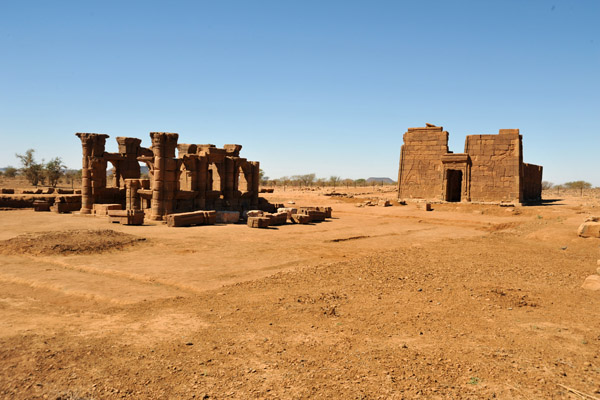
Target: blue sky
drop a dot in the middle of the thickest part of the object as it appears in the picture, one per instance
(305, 86)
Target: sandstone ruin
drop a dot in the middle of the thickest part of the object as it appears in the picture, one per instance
(490, 170)
(199, 177)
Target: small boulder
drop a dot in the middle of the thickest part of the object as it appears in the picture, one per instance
(592, 282)
(589, 229)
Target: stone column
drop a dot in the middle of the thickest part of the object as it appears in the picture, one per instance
(229, 184)
(132, 200)
(253, 186)
(201, 181)
(164, 182)
(93, 168)
(129, 167)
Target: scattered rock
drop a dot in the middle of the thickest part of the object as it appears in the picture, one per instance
(590, 228)
(592, 282)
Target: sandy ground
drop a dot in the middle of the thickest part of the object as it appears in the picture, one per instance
(465, 301)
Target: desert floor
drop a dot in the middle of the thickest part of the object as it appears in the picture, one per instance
(465, 301)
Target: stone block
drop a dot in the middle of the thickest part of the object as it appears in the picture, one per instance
(288, 210)
(7, 191)
(101, 210)
(301, 219)
(424, 206)
(278, 218)
(41, 205)
(65, 191)
(314, 215)
(65, 207)
(327, 210)
(259, 222)
(126, 217)
(227, 217)
(254, 213)
(589, 229)
(192, 218)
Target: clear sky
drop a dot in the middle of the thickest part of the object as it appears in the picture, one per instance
(305, 86)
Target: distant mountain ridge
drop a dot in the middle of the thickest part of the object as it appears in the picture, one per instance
(380, 180)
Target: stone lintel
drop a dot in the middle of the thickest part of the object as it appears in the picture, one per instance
(455, 158)
(427, 129)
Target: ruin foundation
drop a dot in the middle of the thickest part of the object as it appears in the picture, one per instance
(198, 177)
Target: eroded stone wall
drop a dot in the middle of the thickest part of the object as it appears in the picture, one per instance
(490, 170)
(199, 177)
(496, 164)
(532, 182)
(421, 172)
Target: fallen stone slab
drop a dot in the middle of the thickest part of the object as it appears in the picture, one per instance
(192, 218)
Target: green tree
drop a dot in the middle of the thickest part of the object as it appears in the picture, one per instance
(55, 169)
(334, 180)
(308, 179)
(578, 185)
(10, 172)
(360, 182)
(33, 171)
(285, 180)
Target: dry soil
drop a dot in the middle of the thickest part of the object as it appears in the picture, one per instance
(462, 302)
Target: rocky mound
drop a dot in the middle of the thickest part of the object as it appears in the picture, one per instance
(85, 241)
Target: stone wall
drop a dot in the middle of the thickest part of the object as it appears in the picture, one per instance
(490, 170)
(495, 166)
(532, 182)
(421, 172)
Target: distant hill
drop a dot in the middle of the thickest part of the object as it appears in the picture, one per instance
(380, 180)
